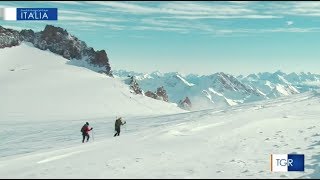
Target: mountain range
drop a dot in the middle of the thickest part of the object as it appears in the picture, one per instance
(221, 89)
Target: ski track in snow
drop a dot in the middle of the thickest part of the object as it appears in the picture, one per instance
(58, 157)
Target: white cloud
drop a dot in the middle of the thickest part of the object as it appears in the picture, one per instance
(302, 8)
(166, 23)
(274, 30)
(76, 18)
(155, 28)
(90, 25)
(85, 16)
(212, 9)
(240, 2)
(225, 17)
(124, 7)
(73, 12)
(292, 30)
(106, 19)
(215, 10)
(88, 18)
(87, 29)
(289, 23)
(66, 2)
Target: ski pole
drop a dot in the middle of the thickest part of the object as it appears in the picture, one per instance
(92, 135)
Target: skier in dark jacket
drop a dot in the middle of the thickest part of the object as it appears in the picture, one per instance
(118, 123)
(85, 132)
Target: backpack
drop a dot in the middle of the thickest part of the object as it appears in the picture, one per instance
(83, 129)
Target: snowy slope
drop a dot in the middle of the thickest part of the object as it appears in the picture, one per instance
(40, 85)
(282, 90)
(233, 142)
(45, 99)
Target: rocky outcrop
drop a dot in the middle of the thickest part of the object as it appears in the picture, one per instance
(27, 35)
(162, 93)
(134, 85)
(58, 41)
(151, 94)
(101, 59)
(185, 104)
(8, 37)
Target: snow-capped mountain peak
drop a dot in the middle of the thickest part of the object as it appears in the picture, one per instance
(184, 81)
(224, 89)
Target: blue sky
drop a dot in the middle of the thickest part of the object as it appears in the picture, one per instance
(236, 37)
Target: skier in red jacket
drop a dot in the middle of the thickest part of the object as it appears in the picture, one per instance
(85, 131)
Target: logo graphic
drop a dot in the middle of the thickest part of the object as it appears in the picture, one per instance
(287, 162)
(29, 14)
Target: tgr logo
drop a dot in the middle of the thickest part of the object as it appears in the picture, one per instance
(287, 162)
(284, 162)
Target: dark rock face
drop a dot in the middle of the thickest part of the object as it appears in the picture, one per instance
(185, 104)
(134, 85)
(187, 100)
(161, 92)
(101, 59)
(151, 94)
(58, 41)
(8, 37)
(27, 35)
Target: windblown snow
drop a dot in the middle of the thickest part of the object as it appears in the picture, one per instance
(45, 101)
